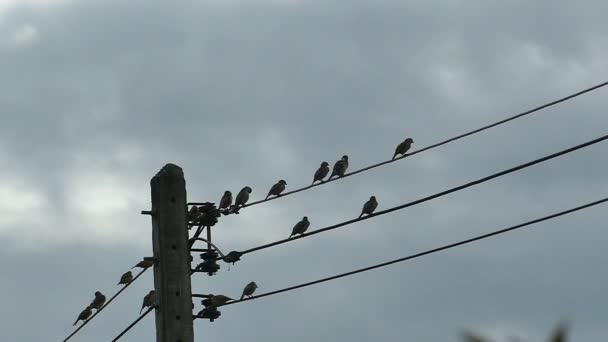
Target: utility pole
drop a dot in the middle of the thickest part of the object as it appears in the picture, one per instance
(172, 256)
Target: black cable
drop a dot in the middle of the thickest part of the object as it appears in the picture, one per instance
(428, 198)
(463, 242)
(106, 304)
(458, 137)
(133, 324)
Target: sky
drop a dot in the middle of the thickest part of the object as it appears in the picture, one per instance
(96, 96)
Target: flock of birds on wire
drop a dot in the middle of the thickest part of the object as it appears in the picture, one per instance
(241, 199)
(277, 189)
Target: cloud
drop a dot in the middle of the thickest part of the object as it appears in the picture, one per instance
(246, 93)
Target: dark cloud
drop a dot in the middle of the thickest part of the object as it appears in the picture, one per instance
(246, 93)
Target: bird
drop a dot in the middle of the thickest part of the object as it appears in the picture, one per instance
(148, 301)
(300, 227)
(219, 300)
(126, 278)
(98, 302)
(84, 315)
(144, 264)
(243, 196)
(369, 206)
(226, 200)
(403, 147)
(340, 167)
(277, 188)
(322, 171)
(249, 289)
(193, 213)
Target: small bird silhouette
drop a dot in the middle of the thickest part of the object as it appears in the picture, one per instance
(193, 213)
(322, 171)
(277, 188)
(249, 289)
(300, 227)
(144, 264)
(126, 278)
(149, 300)
(219, 300)
(226, 200)
(84, 315)
(403, 147)
(98, 302)
(340, 167)
(369, 206)
(243, 196)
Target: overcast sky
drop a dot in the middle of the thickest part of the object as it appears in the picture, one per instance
(96, 96)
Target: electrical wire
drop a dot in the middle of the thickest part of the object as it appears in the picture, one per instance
(431, 251)
(133, 324)
(446, 141)
(428, 198)
(106, 304)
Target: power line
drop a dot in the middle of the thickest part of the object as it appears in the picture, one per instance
(428, 198)
(133, 324)
(458, 137)
(106, 304)
(431, 251)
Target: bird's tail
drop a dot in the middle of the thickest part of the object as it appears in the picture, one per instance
(76, 322)
(360, 215)
(142, 309)
(394, 155)
(267, 197)
(242, 296)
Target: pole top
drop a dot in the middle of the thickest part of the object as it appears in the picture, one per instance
(169, 171)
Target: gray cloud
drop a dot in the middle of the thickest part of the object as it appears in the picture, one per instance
(245, 93)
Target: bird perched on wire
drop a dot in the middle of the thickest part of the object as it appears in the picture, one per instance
(300, 227)
(232, 257)
(219, 300)
(149, 300)
(403, 147)
(226, 200)
(84, 315)
(249, 289)
(193, 213)
(144, 264)
(243, 196)
(98, 301)
(340, 167)
(126, 278)
(369, 206)
(322, 171)
(277, 188)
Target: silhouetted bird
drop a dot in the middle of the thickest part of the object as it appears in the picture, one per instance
(369, 206)
(322, 171)
(340, 167)
(403, 147)
(219, 300)
(249, 289)
(226, 200)
(300, 227)
(126, 278)
(84, 315)
(144, 264)
(243, 196)
(149, 300)
(193, 213)
(98, 302)
(277, 188)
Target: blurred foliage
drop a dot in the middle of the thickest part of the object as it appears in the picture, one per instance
(559, 335)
